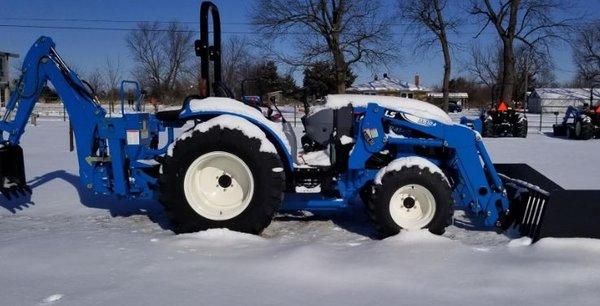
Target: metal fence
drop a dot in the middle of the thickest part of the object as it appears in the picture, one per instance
(549, 115)
(56, 111)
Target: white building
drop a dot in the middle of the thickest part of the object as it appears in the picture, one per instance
(5, 75)
(551, 100)
(388, 86)
(460, 98)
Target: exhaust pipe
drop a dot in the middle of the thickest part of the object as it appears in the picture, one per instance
(12, 172)
(540, 208)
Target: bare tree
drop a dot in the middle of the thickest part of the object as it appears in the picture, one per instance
(233, 57)
(113, 75)
(537, 70)
(431, 26)
(178, 42)
(531, 22)
(96, 81)
(147, 50)
(586, 53)
(484, 65)
(237, 64)
(345, 32)
(161, 56)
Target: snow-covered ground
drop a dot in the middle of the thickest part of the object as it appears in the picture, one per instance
(63, 246)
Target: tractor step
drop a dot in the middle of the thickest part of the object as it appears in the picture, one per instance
(12, 172)
(541, 208)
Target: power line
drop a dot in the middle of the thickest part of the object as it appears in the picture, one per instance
(104, 28)
(84, 28)
(109, 20)
(125, 21)
(43, 19)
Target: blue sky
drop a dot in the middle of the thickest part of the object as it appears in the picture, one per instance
(89, 49)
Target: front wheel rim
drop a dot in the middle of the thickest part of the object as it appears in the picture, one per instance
(412, 206)
(218, 185)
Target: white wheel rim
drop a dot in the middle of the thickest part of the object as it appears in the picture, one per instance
(412, 206)
(218, 185)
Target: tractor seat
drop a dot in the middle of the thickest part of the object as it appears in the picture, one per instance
(172, 115)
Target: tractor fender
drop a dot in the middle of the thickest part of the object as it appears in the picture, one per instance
(409, 161)
(242, 117)
(585, 118)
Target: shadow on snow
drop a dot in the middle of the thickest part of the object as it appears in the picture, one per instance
(353, 219)
(117, 207)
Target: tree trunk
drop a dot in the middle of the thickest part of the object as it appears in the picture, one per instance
(446, 50)
(341, 83)
(340, 73)
(447, 72)
(508, 71)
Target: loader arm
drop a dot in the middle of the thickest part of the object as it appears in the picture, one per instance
(43, 64)
(477, 185)
(505, 195)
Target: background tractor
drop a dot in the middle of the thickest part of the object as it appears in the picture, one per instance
(500, 120)
(580, 122)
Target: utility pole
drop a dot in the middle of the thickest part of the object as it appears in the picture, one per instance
(526, 79)
(592, 96)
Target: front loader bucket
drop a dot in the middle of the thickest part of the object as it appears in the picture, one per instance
(572, 213)
(541, 208)
(12, 172)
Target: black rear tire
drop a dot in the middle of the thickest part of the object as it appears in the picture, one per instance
(521, 129)
(378, 206)
(269, 181)
(584, 130)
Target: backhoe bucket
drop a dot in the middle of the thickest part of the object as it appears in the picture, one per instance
(12, 172)
(541, 208)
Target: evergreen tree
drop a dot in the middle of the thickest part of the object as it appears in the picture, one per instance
(320, 79)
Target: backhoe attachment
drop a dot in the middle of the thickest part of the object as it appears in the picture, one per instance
(12, 172)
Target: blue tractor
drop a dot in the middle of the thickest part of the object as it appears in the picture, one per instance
(580, 122)
(233, 168)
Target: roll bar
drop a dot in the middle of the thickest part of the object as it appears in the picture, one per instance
(210, 53)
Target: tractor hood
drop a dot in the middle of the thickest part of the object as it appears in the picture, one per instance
(411, 106)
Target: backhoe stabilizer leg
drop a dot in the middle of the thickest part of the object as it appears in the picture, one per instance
(12, 172)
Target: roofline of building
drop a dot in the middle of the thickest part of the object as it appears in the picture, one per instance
(13, 55)
(566, 88)
(406, 86)
(386, 90)
(435, 94)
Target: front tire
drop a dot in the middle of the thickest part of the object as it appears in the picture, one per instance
(221, 179)
(411, 198)
(584, 130)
